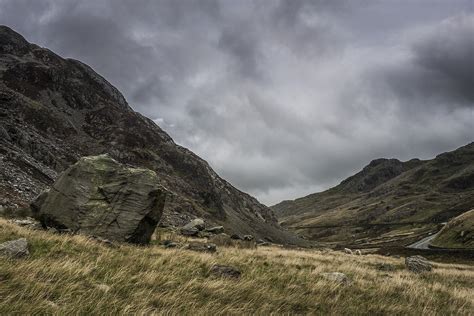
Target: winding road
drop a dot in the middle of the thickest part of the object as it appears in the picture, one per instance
(423, 243)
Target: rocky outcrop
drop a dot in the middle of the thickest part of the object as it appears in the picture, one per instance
(15, 248)
(99, 196)
(54, 111)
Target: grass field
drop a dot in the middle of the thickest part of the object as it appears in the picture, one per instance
(75, 275)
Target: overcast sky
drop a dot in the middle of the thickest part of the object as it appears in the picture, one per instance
(282, 98)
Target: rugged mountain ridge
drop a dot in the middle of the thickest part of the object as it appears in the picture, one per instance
(55, 110)
(389, 201)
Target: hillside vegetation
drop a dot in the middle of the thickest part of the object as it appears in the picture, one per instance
(72, 274)
(388, 202)
(458, 233)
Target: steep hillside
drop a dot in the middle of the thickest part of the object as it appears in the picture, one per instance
(458, 233)
(55, 110)
(387, 202)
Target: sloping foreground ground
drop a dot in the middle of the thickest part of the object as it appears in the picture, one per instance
(71, 274)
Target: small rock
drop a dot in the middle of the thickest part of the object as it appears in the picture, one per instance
(262, 242)
(236, 237)
(197, 223)
(225, 271)
(348, 251)
(215, 230)
(221, 240)
(15, 248)
(171, 245)
(189, 231)
(202, 247)
(25, 222)
(418, 264)
(337, 277)
(358, 252)
(203, 234)
(103, 287)
(248, 237)
(386, 267)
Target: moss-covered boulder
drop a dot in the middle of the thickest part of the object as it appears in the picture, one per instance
(101, 197)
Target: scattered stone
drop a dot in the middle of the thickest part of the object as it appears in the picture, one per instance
(99, 196)
(103, 287)
(28, 222)
(348, 251)
(225, 271)
(189, 231)
(248, 237)
(171, 245)
(15, 248)
(202, 247)
(236, 237)
(215, 230)
(197, 223)
(269, 239)
(24, 222)
(418, 264)
(221, 240)
(262, 242)
(203, 234)
(358, 252)
(386, 267)
(337, 277)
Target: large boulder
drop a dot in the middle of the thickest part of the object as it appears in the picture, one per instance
(99, 196)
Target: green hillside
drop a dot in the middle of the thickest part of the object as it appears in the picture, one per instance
(458, 233)
(388, 202)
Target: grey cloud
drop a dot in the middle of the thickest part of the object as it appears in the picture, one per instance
(440, 70)
(281, 97)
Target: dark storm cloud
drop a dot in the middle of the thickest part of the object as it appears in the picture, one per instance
(283, 98)
(441, 68)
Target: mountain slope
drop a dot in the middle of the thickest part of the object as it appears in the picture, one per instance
(457, 233)
(389, 201)
(55, 110)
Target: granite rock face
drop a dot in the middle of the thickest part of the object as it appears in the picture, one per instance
(100, 197)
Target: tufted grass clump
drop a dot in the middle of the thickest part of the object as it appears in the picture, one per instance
(75, 275)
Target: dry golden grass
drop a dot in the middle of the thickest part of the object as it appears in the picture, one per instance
(74, 275)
